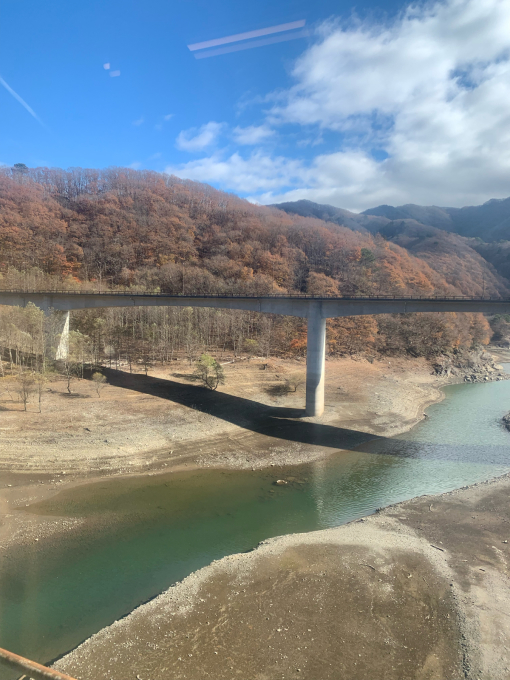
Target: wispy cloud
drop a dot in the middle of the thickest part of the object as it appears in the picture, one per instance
(253, 134)
(197, 139)
(139, 121)
(21, 101)
(114, 74)
(168, 116)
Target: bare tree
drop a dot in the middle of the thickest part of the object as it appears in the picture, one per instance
(100, 381)
(70, 371)
(40, 380)
(25, 386)
(295, 381)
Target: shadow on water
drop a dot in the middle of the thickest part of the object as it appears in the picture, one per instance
(140, 534)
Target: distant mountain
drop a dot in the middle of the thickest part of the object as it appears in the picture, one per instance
(328, 213)
(477, 234)
(489, 222)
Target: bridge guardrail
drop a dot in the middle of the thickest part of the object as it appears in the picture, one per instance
(297, 296)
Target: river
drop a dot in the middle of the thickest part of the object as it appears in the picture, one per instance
(141, 534)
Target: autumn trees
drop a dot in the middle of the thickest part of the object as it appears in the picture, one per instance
(137, 230)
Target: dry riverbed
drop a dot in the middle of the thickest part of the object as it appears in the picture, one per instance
(419, 591)
(146, 424)
(160, 422)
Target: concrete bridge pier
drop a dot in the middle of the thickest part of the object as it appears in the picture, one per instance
(62, 352)
(315, 360)
(57, 333)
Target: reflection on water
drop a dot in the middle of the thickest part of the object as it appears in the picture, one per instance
(142, 534)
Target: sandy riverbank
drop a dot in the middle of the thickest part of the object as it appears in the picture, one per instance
(147, 424)
(142, 422)
(418, 591)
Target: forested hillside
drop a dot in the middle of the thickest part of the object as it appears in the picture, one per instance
(489, 222)
(458, 233)
(147, 231)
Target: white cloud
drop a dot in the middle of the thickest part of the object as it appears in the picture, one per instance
(197, 139)
(139, 121)
(106, 66)
(253, 134)
(337, 178)
(168, 116)
(114, 74)
(257, 173)
(136, 165)
(431, 89)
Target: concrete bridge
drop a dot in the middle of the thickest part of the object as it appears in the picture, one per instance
(313, 308)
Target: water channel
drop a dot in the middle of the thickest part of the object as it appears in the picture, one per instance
(141, 534)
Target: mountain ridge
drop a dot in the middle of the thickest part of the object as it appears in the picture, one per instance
(484, 229)
(489, 221)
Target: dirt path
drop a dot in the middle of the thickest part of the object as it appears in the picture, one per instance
(418, 591)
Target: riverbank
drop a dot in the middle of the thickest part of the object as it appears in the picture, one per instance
(420, 590)
(162, 422)
(144, 422)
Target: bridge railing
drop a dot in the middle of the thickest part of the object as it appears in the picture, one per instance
(297, 296)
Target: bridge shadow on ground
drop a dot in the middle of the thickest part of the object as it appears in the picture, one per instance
(286, 424)
(272, 421)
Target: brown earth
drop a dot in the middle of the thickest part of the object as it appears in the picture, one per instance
(145, 421)
(146, 424)
(149, 424)
(160, 422)
(419, 591)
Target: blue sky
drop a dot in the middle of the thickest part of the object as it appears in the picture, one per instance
(368, 108)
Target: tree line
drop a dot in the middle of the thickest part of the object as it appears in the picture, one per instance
(144, 231)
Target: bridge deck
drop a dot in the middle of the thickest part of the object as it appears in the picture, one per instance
(289, 305)
(314, 308)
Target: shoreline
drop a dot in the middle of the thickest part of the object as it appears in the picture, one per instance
(432, 539)
(405, 389)
(400, 395)
(23, 528)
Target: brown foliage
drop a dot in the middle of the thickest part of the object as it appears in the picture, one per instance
(147, 231)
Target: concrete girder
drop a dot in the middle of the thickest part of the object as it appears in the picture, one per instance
(315, 310)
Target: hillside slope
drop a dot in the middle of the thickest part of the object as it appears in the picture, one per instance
(147, 231)
(476, 238)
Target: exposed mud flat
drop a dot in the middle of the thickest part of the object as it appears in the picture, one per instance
(145, 422)
(161, 422)
(420, 590)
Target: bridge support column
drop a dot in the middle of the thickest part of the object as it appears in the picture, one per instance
(62, 352)
(56, 331)
(315, 358)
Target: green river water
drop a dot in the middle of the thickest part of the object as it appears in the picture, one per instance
(142, 534)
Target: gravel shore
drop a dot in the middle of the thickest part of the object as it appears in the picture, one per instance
(420, 590)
